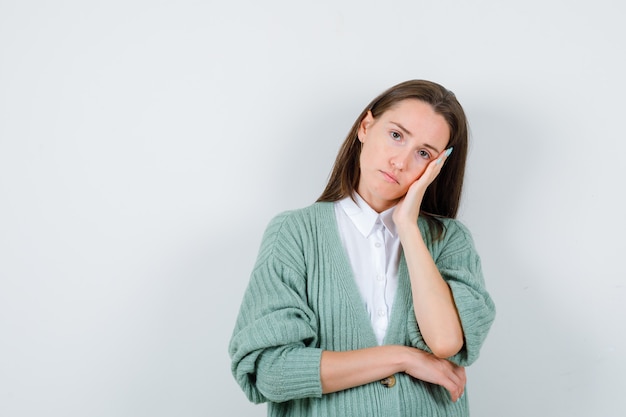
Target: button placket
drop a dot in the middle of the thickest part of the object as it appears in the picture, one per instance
(380, 254)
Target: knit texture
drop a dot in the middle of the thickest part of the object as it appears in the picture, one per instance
(302, 299)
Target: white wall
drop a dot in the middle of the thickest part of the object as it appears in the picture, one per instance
(144, 146)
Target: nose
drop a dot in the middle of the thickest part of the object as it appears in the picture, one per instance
(400, 161)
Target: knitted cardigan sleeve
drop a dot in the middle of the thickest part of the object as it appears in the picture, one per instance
(272, 348)
(459, 264)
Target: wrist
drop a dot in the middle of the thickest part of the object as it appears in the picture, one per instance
(407, 228)
(400, 358)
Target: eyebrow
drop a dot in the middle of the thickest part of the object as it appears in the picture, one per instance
(406, 132)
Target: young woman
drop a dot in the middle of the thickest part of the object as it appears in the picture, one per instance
(371, 301)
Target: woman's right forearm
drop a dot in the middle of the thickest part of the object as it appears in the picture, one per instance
(343, 370)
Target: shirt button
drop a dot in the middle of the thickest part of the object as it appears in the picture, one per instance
(380, 277)
(377, 244)
(381, 313)
(388, 382)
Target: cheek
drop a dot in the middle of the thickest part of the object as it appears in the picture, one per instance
(418, 169)
(367, 155)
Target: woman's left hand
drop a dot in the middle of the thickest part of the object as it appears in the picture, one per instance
(408, 208)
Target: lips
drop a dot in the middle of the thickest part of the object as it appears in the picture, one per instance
(389, 177)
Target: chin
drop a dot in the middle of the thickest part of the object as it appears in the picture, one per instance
(392, 198)
(390, 193)
(389, 202)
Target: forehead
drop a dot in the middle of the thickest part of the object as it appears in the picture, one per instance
(407, 106)
(417, 116)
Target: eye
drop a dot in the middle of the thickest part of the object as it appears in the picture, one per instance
(395, 135)
(423, 154)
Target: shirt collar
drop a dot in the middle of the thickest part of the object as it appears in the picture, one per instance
(365, 218)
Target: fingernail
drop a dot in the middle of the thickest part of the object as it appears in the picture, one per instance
(438, 161)
(449, 151)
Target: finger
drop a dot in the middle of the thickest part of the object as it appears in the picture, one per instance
(460, 373)
(457, 379)
(456, 374)
(434, 167)
(454, 391)
(452, 379)
(444, 155)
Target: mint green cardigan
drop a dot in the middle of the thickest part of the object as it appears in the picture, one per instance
(302, 299)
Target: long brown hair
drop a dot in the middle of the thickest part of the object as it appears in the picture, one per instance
(443, 195)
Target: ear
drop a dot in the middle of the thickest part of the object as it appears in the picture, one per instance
(365, 124)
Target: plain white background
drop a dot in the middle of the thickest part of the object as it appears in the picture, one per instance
(144, 146)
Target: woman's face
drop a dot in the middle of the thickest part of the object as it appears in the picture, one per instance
(396, 149)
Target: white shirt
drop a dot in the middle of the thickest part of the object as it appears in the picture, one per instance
(373, 247)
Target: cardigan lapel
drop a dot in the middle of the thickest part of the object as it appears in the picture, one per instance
(402, 303)
(344, 274)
